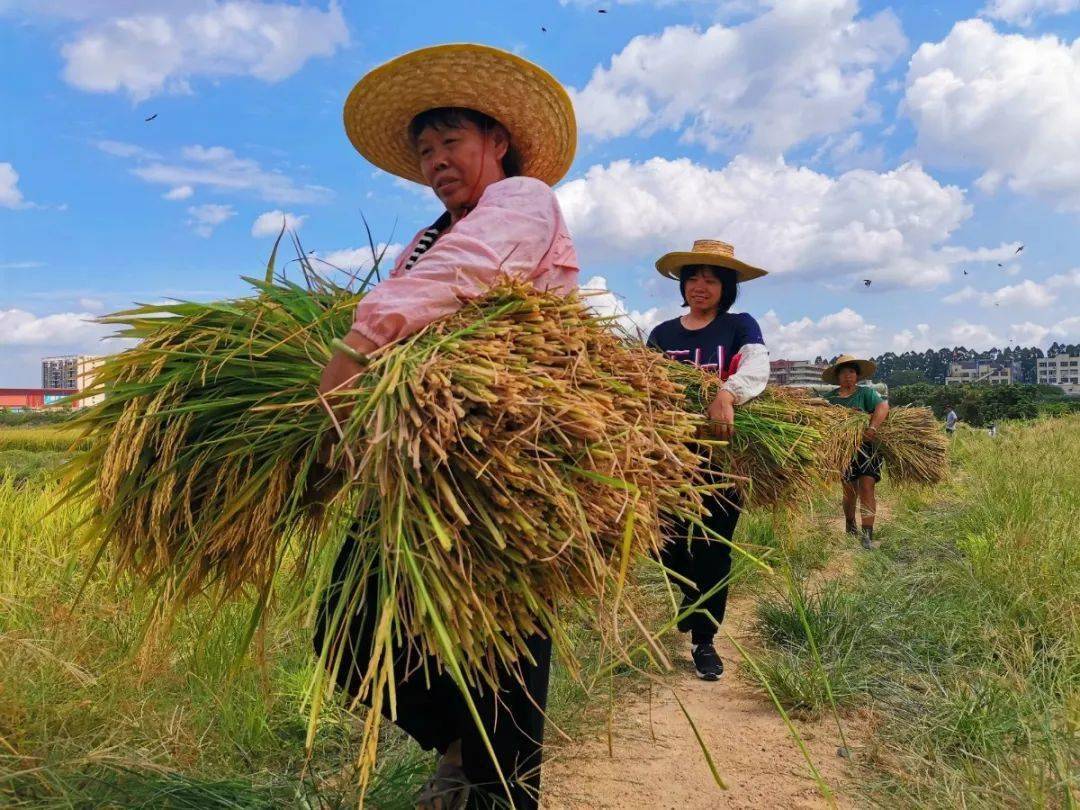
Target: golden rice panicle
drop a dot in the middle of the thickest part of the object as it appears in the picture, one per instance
(786, 442)
(913, 446)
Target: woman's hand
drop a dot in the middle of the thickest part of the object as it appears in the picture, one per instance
(722, 415)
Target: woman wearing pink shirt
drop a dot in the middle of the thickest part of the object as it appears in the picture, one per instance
(490, 134)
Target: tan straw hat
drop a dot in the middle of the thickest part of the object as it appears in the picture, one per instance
(535, 108)
(711, 252)
(866, 368)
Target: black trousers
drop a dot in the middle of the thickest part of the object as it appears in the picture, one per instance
(705, 564)
(432, 710)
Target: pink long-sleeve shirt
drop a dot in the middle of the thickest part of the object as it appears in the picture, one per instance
(516, 229)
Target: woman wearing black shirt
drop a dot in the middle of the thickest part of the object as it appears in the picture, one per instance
(711, 337)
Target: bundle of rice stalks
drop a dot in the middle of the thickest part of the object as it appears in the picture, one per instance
(786, 443)
(911, 443)
(497, 471)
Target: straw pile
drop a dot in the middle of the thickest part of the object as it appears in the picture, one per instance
(912, 445)
(495, 467)
(787, 442)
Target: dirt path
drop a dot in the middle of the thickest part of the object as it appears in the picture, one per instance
(747, 738)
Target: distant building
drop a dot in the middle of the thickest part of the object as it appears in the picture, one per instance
(796, 373)
(32, 398)
(1062, 371)
(73, 372)
(984, 372)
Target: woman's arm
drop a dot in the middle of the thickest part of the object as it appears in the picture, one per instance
(752, 375)
(880, 414)
(511, 229)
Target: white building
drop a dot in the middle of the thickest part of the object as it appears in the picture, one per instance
(1062, 371)
(800, 373)
(987, 372)
(71, 372)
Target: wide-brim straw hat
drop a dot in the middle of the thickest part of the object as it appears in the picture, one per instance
(866, 368)
(533, 106)
(711, 252)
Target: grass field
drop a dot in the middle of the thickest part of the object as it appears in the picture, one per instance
(960, 638)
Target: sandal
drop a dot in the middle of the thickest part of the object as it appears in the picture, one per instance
(449, 786)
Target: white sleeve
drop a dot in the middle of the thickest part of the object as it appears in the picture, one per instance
(750, 378)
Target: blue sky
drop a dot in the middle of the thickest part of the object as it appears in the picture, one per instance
(831, 141)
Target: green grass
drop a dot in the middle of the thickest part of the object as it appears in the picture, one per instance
(88, 718)
(960, 638)
(25, 465)
(961, 634)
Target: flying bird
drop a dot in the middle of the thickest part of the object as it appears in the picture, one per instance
(151, 118)
(1000, 264)
(543, 29)
(965, 272)
(866, 282)
(1019, 249)
(601, 11)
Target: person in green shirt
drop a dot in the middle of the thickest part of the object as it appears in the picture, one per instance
(864, 471)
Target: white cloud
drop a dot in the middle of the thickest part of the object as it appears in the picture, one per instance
(179, 193)
(1065, 280)
(361, 258)
(10, 196)
(962, 296)
(205, 218)
(1024, 12)
(1006, 104)
(20, 265)
(1027, 293)
(217, 168)
(1028, 333)
(805, 339)
(160, 47)
(611, 305)
(269, 223)
(126, 150)
(92, 304)
(905, 340)
(798, 71)
(1069, 328)
(1004, 253)
(21, 328)
(978, 336)
(789, 220)
(971, 336)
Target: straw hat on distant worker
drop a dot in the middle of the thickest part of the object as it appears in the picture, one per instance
(527, 100)
(866, 368)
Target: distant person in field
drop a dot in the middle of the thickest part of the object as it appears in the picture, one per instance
(490, 134)
(730, 344)
(950, 420)
(864, 471)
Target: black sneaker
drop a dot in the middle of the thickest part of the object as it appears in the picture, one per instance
(707, 663)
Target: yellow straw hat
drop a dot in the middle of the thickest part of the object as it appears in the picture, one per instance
(711, 252)
(535, 108)
(866, 368)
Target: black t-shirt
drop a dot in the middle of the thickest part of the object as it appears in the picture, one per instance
(710, 347)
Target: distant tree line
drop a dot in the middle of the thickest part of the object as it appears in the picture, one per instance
(932, 365)
(979, 405)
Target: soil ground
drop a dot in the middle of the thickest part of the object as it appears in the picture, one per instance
(656, 761)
